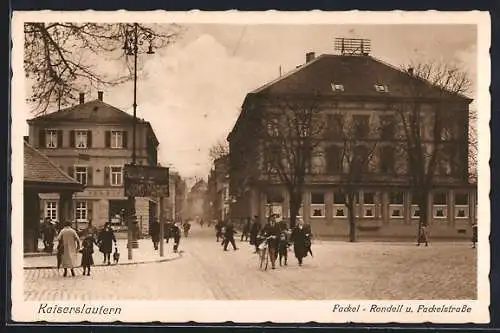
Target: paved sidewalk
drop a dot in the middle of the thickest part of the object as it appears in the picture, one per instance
(144, 254)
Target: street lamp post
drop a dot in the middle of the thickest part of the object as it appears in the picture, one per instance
(132, 42)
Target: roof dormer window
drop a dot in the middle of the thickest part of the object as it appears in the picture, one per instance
(337, 87)
(381, 88)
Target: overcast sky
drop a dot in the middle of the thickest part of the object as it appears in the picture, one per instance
(192, 91)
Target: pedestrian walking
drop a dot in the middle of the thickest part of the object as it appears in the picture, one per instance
(70, 246)
(229, 236)
(186, 227)
(155, 233)
(167, 232)
(283, 245)
(423, 236)
(106, 240)
(254, 232)
(218, 230)
(308, 229)
(245, 230)
(474, 235)
(271, 232)
(48, 235)
(299, 238)
(87, 253)
(176, 235)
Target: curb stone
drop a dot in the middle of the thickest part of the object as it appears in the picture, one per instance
(179, 255)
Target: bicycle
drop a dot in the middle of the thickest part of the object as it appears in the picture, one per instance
(264, 255)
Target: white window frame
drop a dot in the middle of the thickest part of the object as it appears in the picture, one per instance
(273, 128)
(465, 208)
(337, 207)
(337, 87)
(321, 206)
(366, 208)
(49, 134)
(111, 173)
(396, 207)
(53, 209)
(76, 173)
(436, 208)
(81, 133)
(81, 211)
(383, 88)
(116, 138)
(414, 208)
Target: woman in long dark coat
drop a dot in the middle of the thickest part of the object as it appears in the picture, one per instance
(87, 253)
(300, 242)
(254, 232)
(155, 234)
(106, 240)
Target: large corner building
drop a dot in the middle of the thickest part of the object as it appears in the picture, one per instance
(359, 88)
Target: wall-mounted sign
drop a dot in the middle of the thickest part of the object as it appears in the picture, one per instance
(146, 181)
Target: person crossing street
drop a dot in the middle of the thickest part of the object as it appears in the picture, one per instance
(229, 236)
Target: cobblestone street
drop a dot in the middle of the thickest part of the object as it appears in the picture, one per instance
(338, 270)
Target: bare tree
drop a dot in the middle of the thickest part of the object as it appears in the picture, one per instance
(434, 121)
(351, 149)
(56, 56)
(292, 130)
(218, 150)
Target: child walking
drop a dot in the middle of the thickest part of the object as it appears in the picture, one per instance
(87, 252)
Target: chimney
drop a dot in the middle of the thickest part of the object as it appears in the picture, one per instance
(410, 70)
(99, 95)
(309, 56)
(82, 98)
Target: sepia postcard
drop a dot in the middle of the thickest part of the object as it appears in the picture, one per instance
(284, 167)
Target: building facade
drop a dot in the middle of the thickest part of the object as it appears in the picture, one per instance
(196, 201)
(92, 141)
(218, 189)
(362, 91)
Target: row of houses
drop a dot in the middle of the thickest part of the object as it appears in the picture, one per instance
(73, 168)
(363, 92)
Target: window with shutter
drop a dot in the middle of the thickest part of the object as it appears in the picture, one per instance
(89, 209)
(107, 178)
(89, 139)
(107, 139)
(89, 175)
(72, 139)
(125, 139)
(59, 138)
(41, 138)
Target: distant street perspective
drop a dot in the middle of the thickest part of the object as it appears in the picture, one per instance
(221, 164)
(338, 270)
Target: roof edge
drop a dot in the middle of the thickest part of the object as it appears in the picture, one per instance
(61, 171)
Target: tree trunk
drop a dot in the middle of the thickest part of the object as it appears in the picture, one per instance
(423, 205)
(294, 210)
(295, 203)
(351, 215)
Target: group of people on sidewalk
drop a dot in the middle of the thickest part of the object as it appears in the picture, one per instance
(171, 230)
(69, 243)
(278, 235)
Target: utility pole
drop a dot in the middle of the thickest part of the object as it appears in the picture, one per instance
(131, 47)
